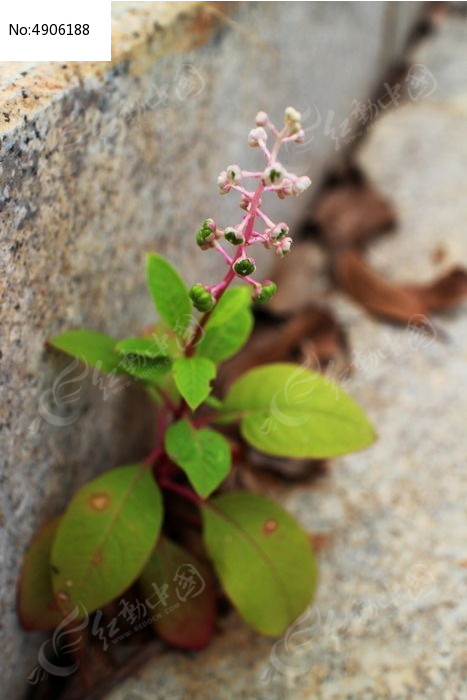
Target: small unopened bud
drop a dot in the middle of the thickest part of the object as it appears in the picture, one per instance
(301, 184)
(244, 266)
(206, 236)
(234, 236)
(257, 135)
(234, 174)
(262, 119)
(202, 299)
(285, 189)
(300, 136)
(292, 115)
(274, 174)
(244, 202)
(223, 182)
(283, 247)
(267, 290)
(279, 231)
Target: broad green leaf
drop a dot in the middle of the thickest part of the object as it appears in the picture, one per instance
(228, 327)
(145, 347)
(204, 455)
(143, 359)
(193, 376)
(289, 411)
(169, 293)
(105, 537)
(145, 368)
(263, 558)
(187, 601)
(37, 606)
(95, 349)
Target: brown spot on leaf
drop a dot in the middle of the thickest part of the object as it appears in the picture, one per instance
(270, 526)
(99, 501)
(97, 558)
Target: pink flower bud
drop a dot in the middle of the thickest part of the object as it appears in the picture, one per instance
(257, 135)
(262, 119)
(286, 188)
(279, 231)
(283, 246)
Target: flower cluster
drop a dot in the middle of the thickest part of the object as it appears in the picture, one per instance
(274, 178)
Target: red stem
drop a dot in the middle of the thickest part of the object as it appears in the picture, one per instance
(182, 491)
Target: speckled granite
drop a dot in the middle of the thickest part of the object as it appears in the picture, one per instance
(390, 618)
(101, 162)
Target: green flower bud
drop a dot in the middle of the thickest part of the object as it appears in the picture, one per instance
(206, 236)
(201, 298)
(233, 236)
(244, 267)
(267, 290)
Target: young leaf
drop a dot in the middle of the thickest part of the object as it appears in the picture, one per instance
(145, 368)
(105, 537)
(204, 455)
(95, 349)
(186, 592)
(263, 558)
(193, 376)
(143, 359)
(145, 347)
(228, 327)
(289, 411)
(169, 293)
(37, 606)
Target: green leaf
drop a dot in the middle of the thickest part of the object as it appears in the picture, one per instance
(193, 376)
(204, 455)
(229, 326)
(144, 347)
(289, 411)
(169, 293)
(37, 606)
(143, 359)
(263, 558)
(188, 602)
(95, 349)
(146, 369)
(105, 537)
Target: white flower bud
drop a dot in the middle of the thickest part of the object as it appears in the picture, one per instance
(301, 184)
(262, 119)
(274, 174)
(283, 247)
(223, 182)
(234, 174)
(257, 135)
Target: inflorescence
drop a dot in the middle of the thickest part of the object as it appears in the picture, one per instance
(274, 178)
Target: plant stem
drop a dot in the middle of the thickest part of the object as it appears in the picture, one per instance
(181, 490)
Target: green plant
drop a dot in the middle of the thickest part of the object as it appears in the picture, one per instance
(112, 533)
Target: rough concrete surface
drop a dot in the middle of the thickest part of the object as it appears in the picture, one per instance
(390, 617)
(101, 162)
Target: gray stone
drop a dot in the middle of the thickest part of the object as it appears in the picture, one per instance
(101, 162)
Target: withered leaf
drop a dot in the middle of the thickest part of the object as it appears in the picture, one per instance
(392, 300)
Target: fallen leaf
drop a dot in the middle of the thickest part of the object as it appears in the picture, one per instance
(396, 301)
(350, 214)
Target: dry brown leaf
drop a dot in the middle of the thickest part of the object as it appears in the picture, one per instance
(349, 214)
(396, 301)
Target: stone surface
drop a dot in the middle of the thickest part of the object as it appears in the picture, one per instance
(100, 162)
(390, 617)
